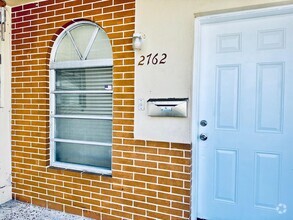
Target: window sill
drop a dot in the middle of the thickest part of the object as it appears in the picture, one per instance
(82, 169)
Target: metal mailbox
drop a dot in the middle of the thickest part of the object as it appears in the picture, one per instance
(167, 107)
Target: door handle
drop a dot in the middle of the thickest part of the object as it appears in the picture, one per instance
(203, 137)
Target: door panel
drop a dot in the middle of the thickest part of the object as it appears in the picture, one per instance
(270, 96)
(267, 181)
(225, 176)
(246, 97)
(227, 98)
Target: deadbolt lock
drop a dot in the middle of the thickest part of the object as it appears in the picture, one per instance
(203, 123)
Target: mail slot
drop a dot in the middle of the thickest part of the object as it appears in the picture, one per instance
(167, 107)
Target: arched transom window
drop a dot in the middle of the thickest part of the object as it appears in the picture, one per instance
(81, 99)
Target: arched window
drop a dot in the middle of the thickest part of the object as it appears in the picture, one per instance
(81, 99)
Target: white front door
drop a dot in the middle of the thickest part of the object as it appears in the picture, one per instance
(246, 98)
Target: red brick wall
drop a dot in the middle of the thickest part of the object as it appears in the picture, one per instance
(150, 180)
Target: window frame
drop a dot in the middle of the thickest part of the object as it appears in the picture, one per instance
(81, 64)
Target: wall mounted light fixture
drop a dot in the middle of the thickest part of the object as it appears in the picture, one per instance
(2, 19)
(137, 41)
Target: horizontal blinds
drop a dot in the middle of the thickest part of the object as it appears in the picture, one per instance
(84, 91)
(84, 129)
(84, 104)
(84, 79)
(83, 116)
(99, 156)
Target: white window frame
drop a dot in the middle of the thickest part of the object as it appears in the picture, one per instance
(70, 65)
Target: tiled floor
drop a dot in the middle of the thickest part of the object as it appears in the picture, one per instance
(15, 210)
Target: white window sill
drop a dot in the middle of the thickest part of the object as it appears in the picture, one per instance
(81, 168)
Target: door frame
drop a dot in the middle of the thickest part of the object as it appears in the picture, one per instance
(199, 22)
(5, 111)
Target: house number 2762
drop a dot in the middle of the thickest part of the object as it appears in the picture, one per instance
(153, 59)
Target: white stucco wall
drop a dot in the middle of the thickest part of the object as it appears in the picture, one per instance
(168, 26)
(5, 108)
